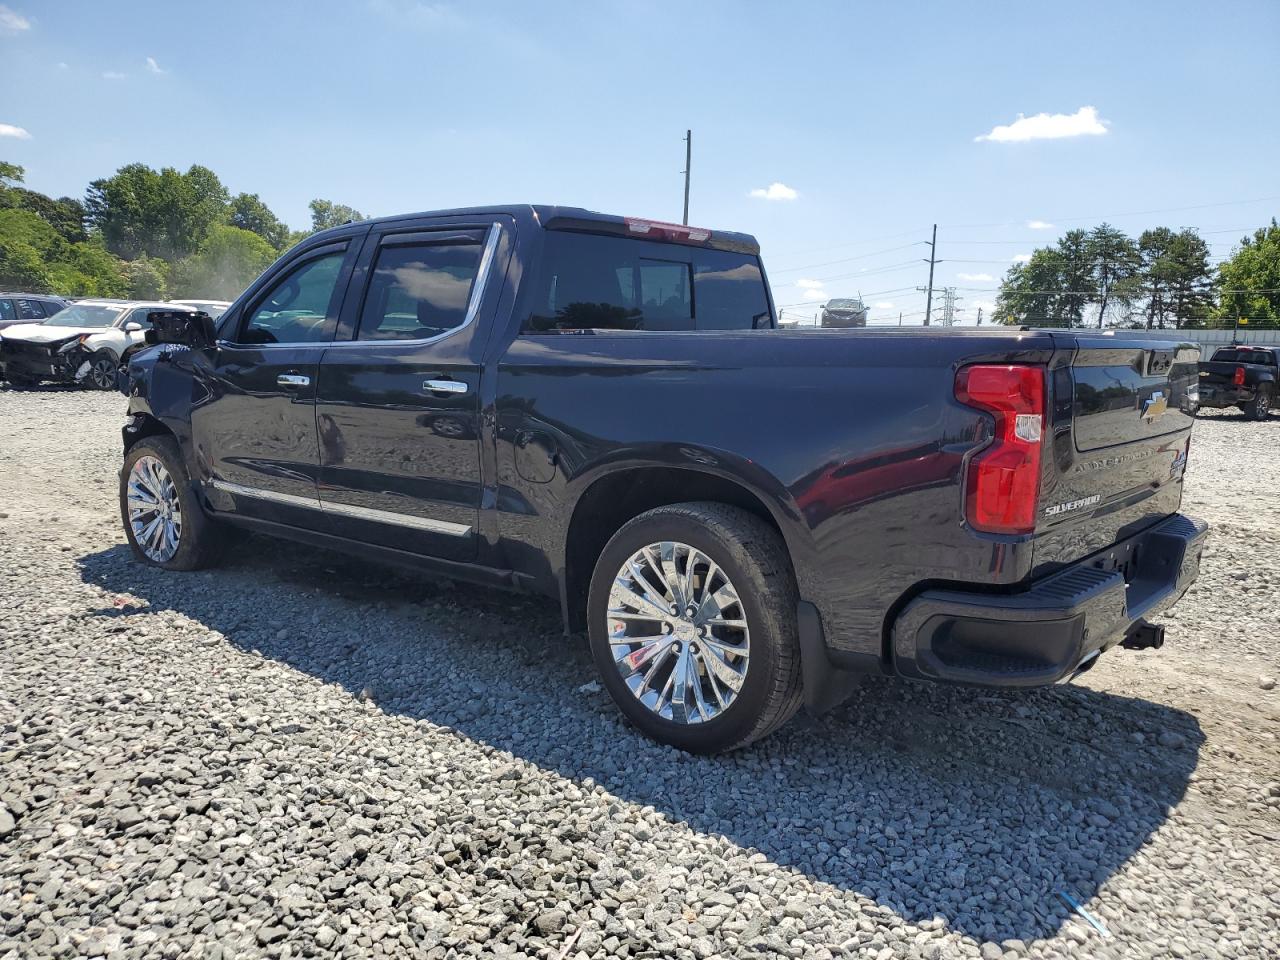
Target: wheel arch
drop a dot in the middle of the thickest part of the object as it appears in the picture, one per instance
(613, 495)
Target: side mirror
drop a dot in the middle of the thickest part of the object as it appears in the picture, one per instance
(133, 326)
(196, 330)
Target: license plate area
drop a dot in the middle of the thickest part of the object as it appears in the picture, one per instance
(1122, 558)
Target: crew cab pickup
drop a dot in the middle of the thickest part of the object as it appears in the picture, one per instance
(742, 518)
(1241, 376)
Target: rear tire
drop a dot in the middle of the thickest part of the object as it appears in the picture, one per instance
(754, 587)
(1259, 407)
(155, 491)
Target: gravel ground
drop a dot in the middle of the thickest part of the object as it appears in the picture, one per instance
(299, 754)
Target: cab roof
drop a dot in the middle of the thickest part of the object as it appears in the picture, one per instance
(553, 217)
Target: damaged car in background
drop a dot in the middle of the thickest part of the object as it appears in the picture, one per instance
(85, 343)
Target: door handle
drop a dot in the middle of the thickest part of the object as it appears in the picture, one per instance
(456, 387)
(292, 380)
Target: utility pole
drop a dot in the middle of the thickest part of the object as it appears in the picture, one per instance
(979, 316)
(688, 162)
(933, 255)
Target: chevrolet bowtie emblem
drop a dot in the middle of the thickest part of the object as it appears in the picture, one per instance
(1154, 405)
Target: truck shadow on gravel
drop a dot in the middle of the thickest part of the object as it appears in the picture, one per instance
(970, 806)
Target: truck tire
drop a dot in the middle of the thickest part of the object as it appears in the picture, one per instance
(163, 520)
(102, 370)
(1260, 405)
(692, 624)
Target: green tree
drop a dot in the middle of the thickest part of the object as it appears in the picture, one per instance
(326, 214)
(229, 261)
(161, 213)
(1115, 263)
(66, 215)
(146, 278)
(23, 226)
(1250, 279)
(248, 212)
(1033, 292)
(88, 270)
(23, 268)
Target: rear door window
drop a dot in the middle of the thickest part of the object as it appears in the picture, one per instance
(418, 291)
(590, 282)
(7, 311)
(30, 310)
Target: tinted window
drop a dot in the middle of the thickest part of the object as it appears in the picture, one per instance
(1232, 355)
(300, 307)
(51, 307)
(141, 316)
(6, 310)
(611, 283)
(418, 291)
(30, 309)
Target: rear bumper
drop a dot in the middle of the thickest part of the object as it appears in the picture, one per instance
(1220, 396)
(1044, 634)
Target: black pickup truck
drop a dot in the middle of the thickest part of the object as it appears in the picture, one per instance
(1240, 376)
(742, 518)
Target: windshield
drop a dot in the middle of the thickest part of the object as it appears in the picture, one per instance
(84, 315)
(844, 305)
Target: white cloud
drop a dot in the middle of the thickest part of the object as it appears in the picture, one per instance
(11, 21)
(1022, 258)
(113, 75)
(884, 305)
(981, 277)
(9, 130)
(1039, 225)
(775, 191)
(63, 66)
(154, 67)
(811, 289)
(1048, 126)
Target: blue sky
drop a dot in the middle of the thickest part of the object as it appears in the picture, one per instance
(867, 115)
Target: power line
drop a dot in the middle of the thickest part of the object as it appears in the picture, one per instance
(1117, 216)
(861, 256)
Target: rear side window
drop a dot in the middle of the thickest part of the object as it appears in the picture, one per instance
(590, 282)
(6, 310)
(30, 309)
(419, 291)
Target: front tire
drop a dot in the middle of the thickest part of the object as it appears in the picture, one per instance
(163, 520)
(1260, 405)
(103, 368)
(692, 624)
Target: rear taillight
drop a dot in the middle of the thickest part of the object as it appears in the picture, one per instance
(1238, 379)
(1002, 488)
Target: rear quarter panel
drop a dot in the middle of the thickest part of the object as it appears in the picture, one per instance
(853, 440)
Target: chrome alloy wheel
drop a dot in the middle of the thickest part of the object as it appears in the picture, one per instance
(678, 632)
(155, 513)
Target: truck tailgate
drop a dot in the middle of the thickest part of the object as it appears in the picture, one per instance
(1121, 422)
